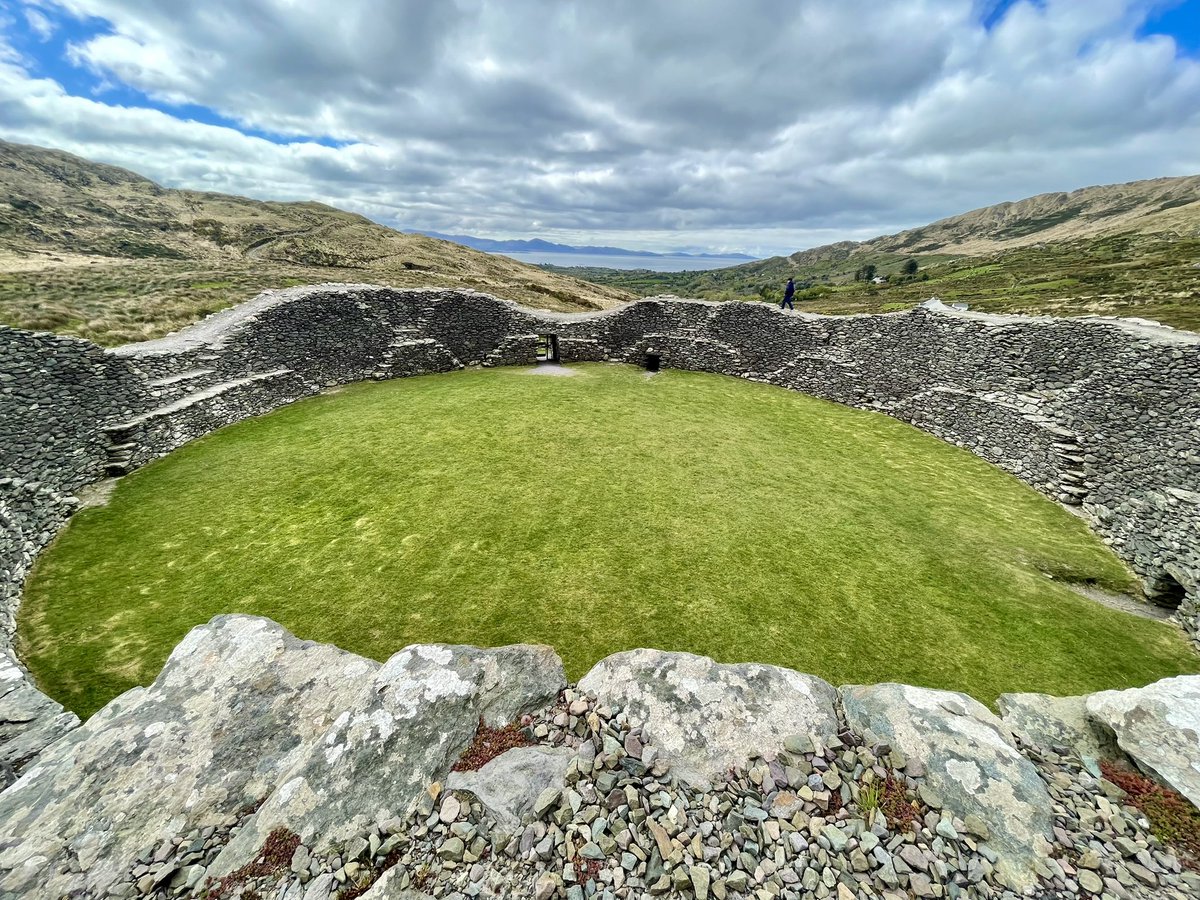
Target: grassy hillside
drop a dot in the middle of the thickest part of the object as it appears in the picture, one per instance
(1128, 250)
(106, 254)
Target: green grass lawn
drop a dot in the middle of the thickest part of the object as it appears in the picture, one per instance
(596, 513)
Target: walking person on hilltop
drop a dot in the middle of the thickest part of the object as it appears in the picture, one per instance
(788, 293)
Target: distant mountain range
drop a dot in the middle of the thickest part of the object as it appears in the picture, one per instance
(103, 253)
(539, 246)
(1119, 249)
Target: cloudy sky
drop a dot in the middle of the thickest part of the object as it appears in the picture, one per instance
(762, 126)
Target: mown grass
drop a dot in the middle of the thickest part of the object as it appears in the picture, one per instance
(596, 513)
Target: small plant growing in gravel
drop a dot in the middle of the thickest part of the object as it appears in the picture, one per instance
(895, 804)
(274, 857)
(586, 870)
(869, 797)
(489, 743)
(1173, 820)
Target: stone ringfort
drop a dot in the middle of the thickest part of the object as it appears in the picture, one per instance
(659, 773)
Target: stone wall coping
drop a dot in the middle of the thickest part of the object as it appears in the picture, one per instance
(215, 329)
(1141, 328)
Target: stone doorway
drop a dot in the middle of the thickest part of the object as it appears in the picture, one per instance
(547, 348)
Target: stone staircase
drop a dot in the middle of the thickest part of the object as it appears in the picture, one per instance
(126, 445)
(410, 353)
(172, 387)
(1070, 456)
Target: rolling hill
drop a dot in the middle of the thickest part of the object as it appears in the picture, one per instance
(100, 252)
(1126, 249)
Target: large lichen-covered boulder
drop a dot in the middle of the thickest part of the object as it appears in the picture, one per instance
(970, 762)
(236, 703)
(416, 717)
(705, 717)
(1158, 726)
(1057, 721)
(509, 785)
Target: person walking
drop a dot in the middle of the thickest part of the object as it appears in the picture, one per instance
(788, 293)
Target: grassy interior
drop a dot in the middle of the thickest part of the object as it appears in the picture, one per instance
(595, 513)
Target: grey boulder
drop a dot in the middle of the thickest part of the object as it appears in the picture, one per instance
(1158, 726)
(29, 720)
(1057, 721)
(388, 888)
(406, 728)
(970, 762)
(237, 702)
(508, 785)
(705, 717)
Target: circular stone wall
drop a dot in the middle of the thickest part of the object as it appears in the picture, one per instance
(595, 512)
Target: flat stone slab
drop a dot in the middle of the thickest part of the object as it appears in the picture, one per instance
(238, 700)
(970, 762)
(1158, 726)
(388, 888)
(1057, 721)
(508, 785)
(705, 716)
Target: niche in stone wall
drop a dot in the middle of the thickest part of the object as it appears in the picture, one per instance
(1166, 592)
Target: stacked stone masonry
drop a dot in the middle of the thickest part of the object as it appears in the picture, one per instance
(1102, 414)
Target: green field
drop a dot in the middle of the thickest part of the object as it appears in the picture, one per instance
(596, 513)
(1148, 276)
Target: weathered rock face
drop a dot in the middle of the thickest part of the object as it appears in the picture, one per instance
(388, 888)
(1057, 722)
(29, 720)
(412, 721)
(154, 797)
(510, 784)
(237, 702)
(1159, 727)
(970, 762)
(706, 717)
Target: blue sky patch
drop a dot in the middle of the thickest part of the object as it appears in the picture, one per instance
(1179, 20)
(49, 57)
(994, 11)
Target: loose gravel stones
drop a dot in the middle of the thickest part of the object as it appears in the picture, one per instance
(614, 828)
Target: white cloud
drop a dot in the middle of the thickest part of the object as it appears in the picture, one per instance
(765, 124)
(39, 24)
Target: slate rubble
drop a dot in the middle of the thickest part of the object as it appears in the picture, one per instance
(616, 828)
(608, 818)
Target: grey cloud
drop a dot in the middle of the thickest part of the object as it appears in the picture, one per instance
(765, 117)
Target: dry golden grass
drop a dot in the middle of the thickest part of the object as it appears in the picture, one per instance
(102, 253)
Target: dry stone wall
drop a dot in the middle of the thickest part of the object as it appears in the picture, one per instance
(1100, 414)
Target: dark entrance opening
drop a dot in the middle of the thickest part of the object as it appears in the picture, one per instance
(1166, 592)
(547, 348)
(653, 362)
